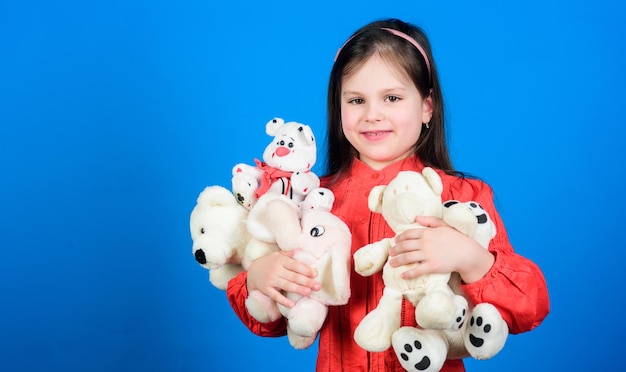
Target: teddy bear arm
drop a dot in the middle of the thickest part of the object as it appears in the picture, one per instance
(304, 182)
(222, 275)
(370, 259)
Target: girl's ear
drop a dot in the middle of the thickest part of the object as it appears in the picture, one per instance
(427, 108)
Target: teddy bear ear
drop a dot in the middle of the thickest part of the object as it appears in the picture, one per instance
(272, 126)
(375, 199)
(215, 195)
(307, 133)
(433, 179)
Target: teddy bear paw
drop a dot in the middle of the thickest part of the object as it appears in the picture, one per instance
(244, 186)
(419, 350)
(485, 332)
(299, 342)
(261, 307)
(461, 306)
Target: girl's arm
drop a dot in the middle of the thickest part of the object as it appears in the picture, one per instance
(510, 282)
(514, 285)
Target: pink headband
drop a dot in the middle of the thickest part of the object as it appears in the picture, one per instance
(405, 37)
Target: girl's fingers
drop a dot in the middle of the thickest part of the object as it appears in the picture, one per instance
(407, 258)
(279, 298)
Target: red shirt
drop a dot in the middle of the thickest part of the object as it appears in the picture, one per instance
(514, 285)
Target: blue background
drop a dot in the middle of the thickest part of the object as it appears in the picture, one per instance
(114, 115)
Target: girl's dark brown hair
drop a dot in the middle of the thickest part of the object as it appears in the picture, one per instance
(431, 147)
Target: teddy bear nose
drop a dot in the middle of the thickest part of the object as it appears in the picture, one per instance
(200, 257)
(282, 151)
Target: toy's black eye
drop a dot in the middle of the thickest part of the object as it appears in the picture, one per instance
(202, 230)
(317, 231)
(473, 205)
(290, 145)
(450, 203)
(281, 143)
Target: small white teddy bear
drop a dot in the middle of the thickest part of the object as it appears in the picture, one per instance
(286, 166)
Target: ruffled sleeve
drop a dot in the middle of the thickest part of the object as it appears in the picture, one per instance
(515, 285)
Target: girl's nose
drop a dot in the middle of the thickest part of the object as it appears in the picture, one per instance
(374, 113)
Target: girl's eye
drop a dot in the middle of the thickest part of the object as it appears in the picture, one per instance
(393, 99)
(356, 101)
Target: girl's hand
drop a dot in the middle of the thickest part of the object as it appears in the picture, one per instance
(439, 248)
(277, 272)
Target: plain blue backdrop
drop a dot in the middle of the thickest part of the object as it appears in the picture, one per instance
(115, 114)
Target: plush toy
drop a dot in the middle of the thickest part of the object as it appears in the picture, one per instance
(219, 234)
(286, 166)
(408, 195)
(323, 241)
(285, 177)
(485, 333)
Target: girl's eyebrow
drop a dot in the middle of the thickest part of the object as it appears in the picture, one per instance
(384, 91)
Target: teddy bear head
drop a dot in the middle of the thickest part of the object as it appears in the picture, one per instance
(471, 219)
(218, 228)
(293, 148)
(408, 195)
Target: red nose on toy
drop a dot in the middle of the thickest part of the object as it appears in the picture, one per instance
(282, 151)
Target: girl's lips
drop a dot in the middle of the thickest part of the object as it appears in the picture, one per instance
(376, 135)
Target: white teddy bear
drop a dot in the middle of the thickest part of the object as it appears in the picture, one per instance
(408, 195)
(286, 166)
(219, 234)
(483, 335)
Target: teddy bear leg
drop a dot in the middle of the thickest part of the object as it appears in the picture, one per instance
(261, 307)
(307, 317)
(375, 330)
(420, 349)
(486, 332)
(440, 310)
(299, 342)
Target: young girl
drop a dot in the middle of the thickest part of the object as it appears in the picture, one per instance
(385, 115)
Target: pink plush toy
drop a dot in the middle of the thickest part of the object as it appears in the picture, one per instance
(323, 242)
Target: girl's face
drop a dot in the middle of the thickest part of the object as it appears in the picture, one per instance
(382, 112)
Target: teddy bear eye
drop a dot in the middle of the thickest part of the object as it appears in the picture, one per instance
(202, 230)
(317, 231)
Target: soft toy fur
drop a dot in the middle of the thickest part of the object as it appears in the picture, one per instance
(219, 234)
(323, 241)
(408, 195)
(286, 166)
(486, 332)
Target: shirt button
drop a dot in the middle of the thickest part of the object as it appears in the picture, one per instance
(375, 176)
